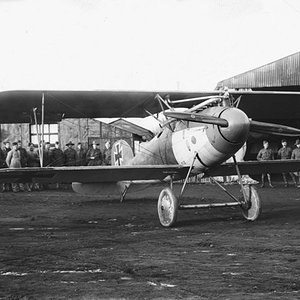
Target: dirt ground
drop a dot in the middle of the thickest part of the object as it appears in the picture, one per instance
(61, 245)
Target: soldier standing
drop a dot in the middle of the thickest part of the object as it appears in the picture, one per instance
(24, 161)
(296, 155)
(46, 155)
(13, 160)
(23, 154)
(5, 150)
(94, 155)
(265, 154)
(107, 154)
(33, 157)
(2, 165)
(285, 153)
(70, 155)
(81, 155)
(57, 156)
(33, 162)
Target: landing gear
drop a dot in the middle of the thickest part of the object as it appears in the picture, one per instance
(168, 204)
(252, 208)
(167, 207)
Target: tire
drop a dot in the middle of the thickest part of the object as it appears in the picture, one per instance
(167, 208)
(253, 211)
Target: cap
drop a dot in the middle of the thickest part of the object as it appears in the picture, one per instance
(265, 141)
(70, 144)
(15, 143)
(283, 141)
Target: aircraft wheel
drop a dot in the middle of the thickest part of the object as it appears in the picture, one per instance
(252, 212)
(167, 207)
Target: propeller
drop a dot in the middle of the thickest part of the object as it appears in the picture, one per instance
(275, 129)
(255, 126)
(194, 117)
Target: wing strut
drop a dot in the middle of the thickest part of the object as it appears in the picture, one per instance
(38, 137)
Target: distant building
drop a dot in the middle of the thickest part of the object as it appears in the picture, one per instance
(139, 132)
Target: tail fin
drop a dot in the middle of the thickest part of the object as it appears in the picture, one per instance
(121, 153)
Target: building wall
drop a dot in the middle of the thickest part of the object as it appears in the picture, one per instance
(15, 132)
(75, 130)
(87, 130)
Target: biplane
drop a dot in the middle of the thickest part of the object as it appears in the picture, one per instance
(198, 132)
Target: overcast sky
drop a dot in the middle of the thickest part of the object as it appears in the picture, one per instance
(140, 45)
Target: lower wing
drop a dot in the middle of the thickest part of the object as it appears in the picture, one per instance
(92, 174)
(256, 167)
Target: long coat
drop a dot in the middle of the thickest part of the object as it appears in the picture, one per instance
(33, 158)
(70, 157)
(94, 157)
(13, 159)
(57, 157)
(81, 157)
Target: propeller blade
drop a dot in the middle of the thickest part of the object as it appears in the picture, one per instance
(194, 117)
(275, 129)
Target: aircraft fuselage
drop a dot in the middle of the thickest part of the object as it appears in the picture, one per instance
(180, 142)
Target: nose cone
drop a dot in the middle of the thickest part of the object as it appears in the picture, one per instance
(238, 126)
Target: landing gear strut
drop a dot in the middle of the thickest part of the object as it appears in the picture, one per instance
(168, 204)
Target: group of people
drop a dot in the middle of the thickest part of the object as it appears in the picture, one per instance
(283, 153)
(18, 157)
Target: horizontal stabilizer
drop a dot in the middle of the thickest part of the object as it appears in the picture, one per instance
(194, 117)
(276, 129)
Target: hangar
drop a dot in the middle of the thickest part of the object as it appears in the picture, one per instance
(279, 75)
(83, 130)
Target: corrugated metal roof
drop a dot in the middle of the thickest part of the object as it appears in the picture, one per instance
(284, 72)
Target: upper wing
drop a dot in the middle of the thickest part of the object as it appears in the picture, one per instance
(256, 167)
(92, 174)
(17, 106)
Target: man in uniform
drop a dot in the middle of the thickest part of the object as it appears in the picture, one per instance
(33, 156)
(94, 155)
(24, 161)
(285, 153)
(107, 154)
(13, 160)
(296, 155)
(47, 155)
(5, 150)
(81, 155)
(23, 154)
(32, 162)
(70, 155)
(2, 165)
(265, 154)
(57, 156)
